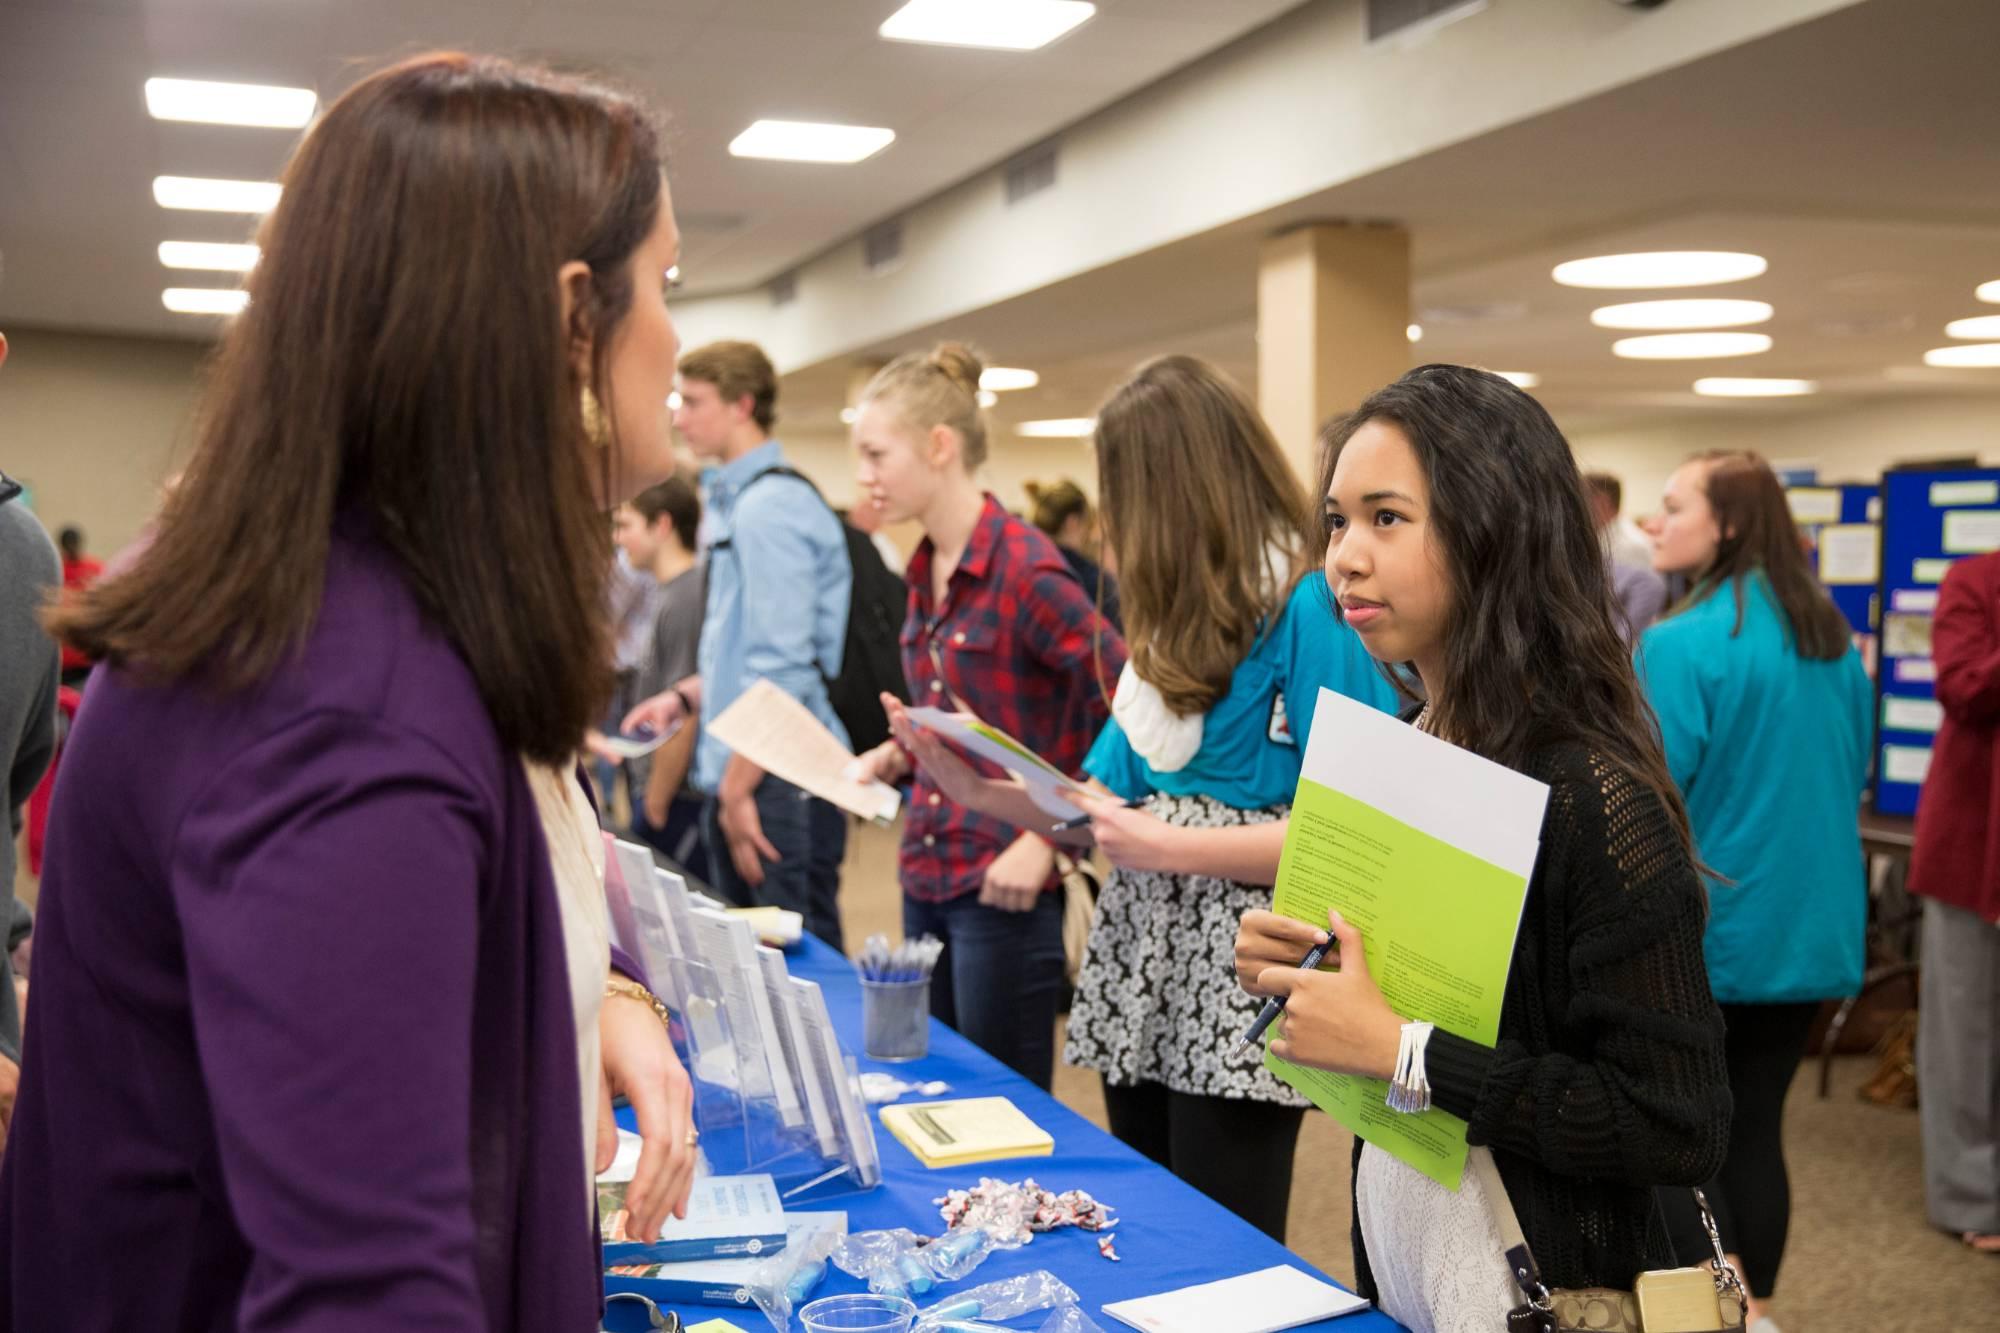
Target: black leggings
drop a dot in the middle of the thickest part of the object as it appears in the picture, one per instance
(1752, 1195)
(1236, 1151)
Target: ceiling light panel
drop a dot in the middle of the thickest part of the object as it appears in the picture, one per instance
(1964, 356)
(810, 141)
(204, 300)
(1005, 379)
(208, 255)
(1724, 387)
(1660, 268)
(1982, 326)
(1989, 291)
(1000, 25)
(215, 196)
(1691, 346)
(1685, 314)
(254, 104)
(1058, 428)
(1520, 379)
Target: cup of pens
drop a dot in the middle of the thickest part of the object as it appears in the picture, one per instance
(896, 996)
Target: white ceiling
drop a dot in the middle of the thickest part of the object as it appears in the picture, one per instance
(78, 153)
(1856, 152)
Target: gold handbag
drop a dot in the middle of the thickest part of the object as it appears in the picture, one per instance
(1673, 1300)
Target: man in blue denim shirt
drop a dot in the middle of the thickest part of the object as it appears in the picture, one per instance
(778, 579)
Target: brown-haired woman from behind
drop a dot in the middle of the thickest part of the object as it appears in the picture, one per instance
(327, 1024)
(1062, 511)
(1767, 717)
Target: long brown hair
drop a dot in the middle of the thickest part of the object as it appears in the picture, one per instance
(1758, 533)
(1195, 491)
(404, 361)
(1532, 654)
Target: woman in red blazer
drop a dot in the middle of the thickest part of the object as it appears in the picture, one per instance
(1956, 865)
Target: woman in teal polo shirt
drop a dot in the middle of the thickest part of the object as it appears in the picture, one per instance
(1764, 708)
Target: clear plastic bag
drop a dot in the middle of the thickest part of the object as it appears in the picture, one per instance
(783, 1282)
(901, 1263)
(1018, 1295)
(1070, 1319)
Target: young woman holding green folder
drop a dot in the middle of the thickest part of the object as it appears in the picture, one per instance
(1461, 549)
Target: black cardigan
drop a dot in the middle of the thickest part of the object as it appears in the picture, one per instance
(1608, 1078)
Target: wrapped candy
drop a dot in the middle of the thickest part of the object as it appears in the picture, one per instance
(1012, 1213)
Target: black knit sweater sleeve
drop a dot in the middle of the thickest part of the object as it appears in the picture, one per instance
(1618, 1075)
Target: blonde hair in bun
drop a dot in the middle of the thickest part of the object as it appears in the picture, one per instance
(936, 388)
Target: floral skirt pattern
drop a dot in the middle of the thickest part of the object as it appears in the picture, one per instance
(1157, 999)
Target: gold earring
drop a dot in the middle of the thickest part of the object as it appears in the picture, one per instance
(595, 428)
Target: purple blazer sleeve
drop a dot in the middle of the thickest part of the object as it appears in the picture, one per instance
(328, 884)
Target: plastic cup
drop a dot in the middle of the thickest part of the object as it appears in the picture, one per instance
(896, 1019)
(864, 1313)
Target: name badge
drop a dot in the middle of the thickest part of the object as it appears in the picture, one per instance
(1279, 729)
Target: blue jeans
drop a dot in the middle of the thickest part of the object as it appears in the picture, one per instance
(1000, 977)
(811, 838)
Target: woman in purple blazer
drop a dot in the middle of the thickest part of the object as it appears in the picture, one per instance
(318, 1020)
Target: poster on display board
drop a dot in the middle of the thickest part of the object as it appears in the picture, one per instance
(1930, 520)
(1843, 533)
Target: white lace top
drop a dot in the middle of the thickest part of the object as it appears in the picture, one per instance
(576, 854)
(1437, 1259)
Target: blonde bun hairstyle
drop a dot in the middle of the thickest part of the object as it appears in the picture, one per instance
(936, 388)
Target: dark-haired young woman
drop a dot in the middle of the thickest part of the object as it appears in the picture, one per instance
(1462, 551)
(326, 1023)
(1764, 708)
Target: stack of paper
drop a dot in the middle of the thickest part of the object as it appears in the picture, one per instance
(727, 1217)
(1261, 1302)
(974, 1129)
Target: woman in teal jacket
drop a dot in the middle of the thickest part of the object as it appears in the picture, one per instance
(1764, 708)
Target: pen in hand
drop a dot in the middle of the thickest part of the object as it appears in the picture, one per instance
(1276, 1004)
(1068, 824)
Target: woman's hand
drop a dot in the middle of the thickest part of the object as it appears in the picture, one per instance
(887, 762)
(640, 1065)
(1014, 879)
(1265, 940)
(947, 772)
(1332, 1020)
(1130, 838)
(743, 831)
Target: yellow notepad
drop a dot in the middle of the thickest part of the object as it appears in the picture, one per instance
(973, 1129)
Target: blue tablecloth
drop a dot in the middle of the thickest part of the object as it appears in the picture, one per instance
(1170, 1234)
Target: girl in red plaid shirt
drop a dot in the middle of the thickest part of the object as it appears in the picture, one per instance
(999, 627)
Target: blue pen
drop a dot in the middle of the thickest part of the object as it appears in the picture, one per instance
(1276, 1004)
(1068, 824)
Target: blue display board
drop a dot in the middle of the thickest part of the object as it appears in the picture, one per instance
(1929, 520)
(1845, 522)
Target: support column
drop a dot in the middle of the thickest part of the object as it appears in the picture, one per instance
(1333, 312)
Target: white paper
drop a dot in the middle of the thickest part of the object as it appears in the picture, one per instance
(1450, 794)
(1916, 601)
(1946, 493)
(792, 1037)
(1850, 553)
(1260, 1302)
(671, 893)
(1814, 504)
(1874, 511)
(1905, 763)
(626, 1164)
(656, 946)
(857, 1131)
(1913, 669)
(729, 946)
(780, 735)
(632, 744)
(1900, 714)
(1929, 571)
(1046, 784)
(1972, 531)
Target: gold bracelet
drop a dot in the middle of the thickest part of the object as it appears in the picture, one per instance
(632, 990)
